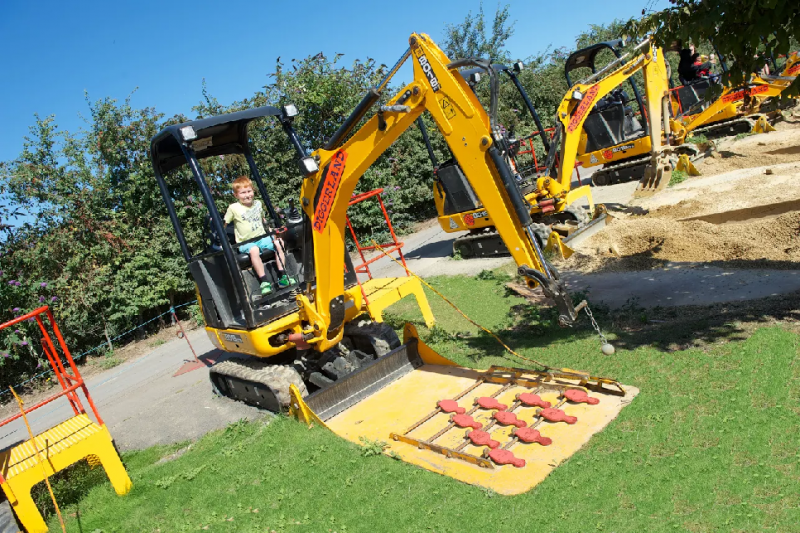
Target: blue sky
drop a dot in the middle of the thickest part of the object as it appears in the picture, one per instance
(53, 51)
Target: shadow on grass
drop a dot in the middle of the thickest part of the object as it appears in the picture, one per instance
(631, 326)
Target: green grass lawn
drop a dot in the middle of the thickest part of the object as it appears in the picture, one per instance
(710, 444)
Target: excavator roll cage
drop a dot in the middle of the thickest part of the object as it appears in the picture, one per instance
(611, 122)
(219, 269)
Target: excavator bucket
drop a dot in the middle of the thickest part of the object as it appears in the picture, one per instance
(655, 179)
(762, 125)
(503, 428)
(557, 246)
(685, 164)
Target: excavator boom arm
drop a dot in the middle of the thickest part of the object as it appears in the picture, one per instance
(439, 89)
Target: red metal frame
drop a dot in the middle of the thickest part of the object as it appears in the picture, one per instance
(678, 98)
(531, 149)
(70, 383)
(388, 248)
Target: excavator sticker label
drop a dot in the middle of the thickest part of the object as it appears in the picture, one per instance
(738, 95)
(428, 70)
(329, 189)
(794, 70)
(608, 154)
(583, 108)
(447, 107)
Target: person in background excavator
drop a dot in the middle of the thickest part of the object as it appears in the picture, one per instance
(690, 68)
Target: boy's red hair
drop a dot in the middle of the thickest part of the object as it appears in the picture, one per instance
(241, 182)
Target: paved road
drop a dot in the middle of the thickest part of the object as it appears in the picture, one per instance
(680, 284)
(142, 403)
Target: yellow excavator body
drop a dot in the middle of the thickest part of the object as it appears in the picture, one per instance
(384, 400)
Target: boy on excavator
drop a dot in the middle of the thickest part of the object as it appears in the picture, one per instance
(248, 220)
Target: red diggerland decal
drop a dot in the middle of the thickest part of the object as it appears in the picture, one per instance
(608, 154)
(583, 108)
(329, 188)
(794, 70)
(469, 220)
(738, 95)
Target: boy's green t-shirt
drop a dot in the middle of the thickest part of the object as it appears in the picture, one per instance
(247, 221)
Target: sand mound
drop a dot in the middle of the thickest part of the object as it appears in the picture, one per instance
(639, 243)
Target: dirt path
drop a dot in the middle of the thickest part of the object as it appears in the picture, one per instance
(731, 234)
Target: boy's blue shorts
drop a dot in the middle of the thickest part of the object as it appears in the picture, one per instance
(264, 243)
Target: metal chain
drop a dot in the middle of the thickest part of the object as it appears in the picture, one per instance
(603, 339)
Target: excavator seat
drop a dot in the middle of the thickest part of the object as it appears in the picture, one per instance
(693, 92)
(459, 195)
(244, 259)
(611, 122)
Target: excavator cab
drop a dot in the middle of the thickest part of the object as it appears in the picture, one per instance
(613, 120)
(688, 96)
(228, 287)
(615, 132)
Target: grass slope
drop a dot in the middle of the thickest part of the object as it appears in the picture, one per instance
(710, 444)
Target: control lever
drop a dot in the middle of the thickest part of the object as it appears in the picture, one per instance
(293, 213)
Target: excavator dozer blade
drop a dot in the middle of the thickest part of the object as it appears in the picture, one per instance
(425, 406)
(592, 228)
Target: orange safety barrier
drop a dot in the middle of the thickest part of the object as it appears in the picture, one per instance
(388, 248)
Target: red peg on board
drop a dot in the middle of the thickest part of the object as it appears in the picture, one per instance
(487, 402)
(532, 435)
(557, 415)
(465, 421)
(579, 396)
(509, 419)
(451, 406)
(482, 438)
(505, 457)
(532, 400)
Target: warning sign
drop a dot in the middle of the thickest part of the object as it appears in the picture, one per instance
(448, 108)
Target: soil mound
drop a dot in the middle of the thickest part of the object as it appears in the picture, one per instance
(638, 243)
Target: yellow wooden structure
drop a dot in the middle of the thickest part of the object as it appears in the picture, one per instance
(59, 447)
(28, 463)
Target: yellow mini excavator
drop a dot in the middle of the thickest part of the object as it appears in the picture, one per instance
(458, 207)
(503, 428)
(587, 110)
(736, 110)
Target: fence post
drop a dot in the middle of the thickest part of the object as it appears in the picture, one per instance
(108, 337)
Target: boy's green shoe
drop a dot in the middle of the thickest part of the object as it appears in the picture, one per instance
(266, 288)
(285, 281)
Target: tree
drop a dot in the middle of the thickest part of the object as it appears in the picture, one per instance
(472, 38)
(746, 33)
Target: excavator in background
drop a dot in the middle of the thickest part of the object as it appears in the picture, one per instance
(593, 106)
(406, 393)
(617, 135)
(736, 110)
(616, 131)
(459, 208)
